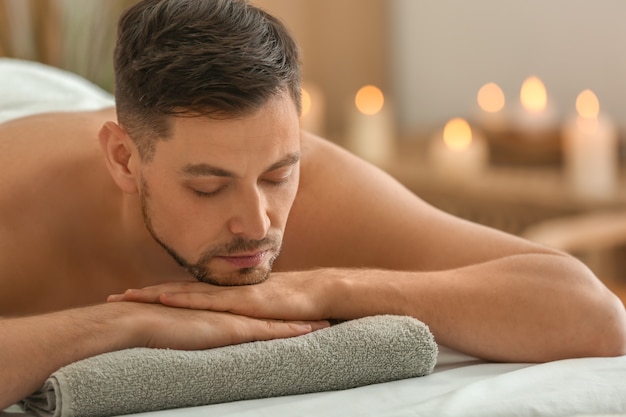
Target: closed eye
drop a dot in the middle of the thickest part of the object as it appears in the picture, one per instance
(276, 182)
(279, 176)
(206, 194)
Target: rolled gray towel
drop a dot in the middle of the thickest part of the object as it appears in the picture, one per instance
(350, 354)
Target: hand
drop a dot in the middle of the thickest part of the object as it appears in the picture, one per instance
(159, 326)
(285, 295)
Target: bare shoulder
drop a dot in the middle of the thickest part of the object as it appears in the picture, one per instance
(48, 165)
(49, 129)
(40, 153)
(33, 143)
(349, 213)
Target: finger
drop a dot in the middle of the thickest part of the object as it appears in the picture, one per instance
(314, 324)
(319, 324)
(205, 330)
(114, 297)
(187, 285)
(152, 293)
(267, 330)
(203, 301)
(135, 295)
(245, 304)
(194, 300)
(279, 329)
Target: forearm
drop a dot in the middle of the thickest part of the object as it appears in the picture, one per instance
(32, 348)
(517, 308)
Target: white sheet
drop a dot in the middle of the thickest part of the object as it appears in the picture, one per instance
(459, 386)
(28, 88)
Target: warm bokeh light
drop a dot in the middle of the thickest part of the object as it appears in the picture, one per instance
(369, 100)
(457, 134)
(306, 102)
(587, 105)
(588, 108)
(533, 95)
(491, 98)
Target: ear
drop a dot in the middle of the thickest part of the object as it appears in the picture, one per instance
(120, 155)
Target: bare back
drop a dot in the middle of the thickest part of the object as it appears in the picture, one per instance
(55, 199)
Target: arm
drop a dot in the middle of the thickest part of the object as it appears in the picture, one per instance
(34, 347)
(512, 313)
(481, 291)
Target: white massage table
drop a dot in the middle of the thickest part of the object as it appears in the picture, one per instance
(459, 386)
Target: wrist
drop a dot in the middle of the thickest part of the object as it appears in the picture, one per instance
(340, 294)
(356, 293)
(116, 325)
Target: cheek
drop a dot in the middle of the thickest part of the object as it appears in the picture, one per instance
(284, 203)
(183, 221)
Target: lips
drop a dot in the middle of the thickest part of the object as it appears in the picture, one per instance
(247, 260)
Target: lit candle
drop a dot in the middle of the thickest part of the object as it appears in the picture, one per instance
(536, 113)
(313, 110)
(491, 102)
(457, 153)
(590, 150)
(370, 128)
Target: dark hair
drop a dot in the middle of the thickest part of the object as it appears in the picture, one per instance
(215, 58)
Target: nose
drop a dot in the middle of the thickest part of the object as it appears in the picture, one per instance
(249, 215)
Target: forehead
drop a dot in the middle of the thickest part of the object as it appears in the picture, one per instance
(270, 133)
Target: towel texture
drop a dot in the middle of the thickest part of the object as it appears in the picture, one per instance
(351, 354)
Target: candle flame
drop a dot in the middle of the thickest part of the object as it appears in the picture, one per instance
(587, 105)
(307, 103)
(588, 108)
(369, 100)
(457, 134)
(533, 95)
(490, 98)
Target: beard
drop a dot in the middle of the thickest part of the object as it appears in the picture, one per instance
(199, 269)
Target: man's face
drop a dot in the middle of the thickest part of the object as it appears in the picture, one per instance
(217, 194)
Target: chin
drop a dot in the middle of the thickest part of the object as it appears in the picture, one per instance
(244, 276)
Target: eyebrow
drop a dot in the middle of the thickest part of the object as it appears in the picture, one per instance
(204, 169)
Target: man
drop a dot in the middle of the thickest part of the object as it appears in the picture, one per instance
(197, 180)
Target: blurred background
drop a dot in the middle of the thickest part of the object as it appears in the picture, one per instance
(510, 114)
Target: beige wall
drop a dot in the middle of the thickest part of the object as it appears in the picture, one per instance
(344, 47)
(343, 41)
(447, 49)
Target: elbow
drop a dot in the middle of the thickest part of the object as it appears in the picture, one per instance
(597, 317)
(604, 334)
(614, 330)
